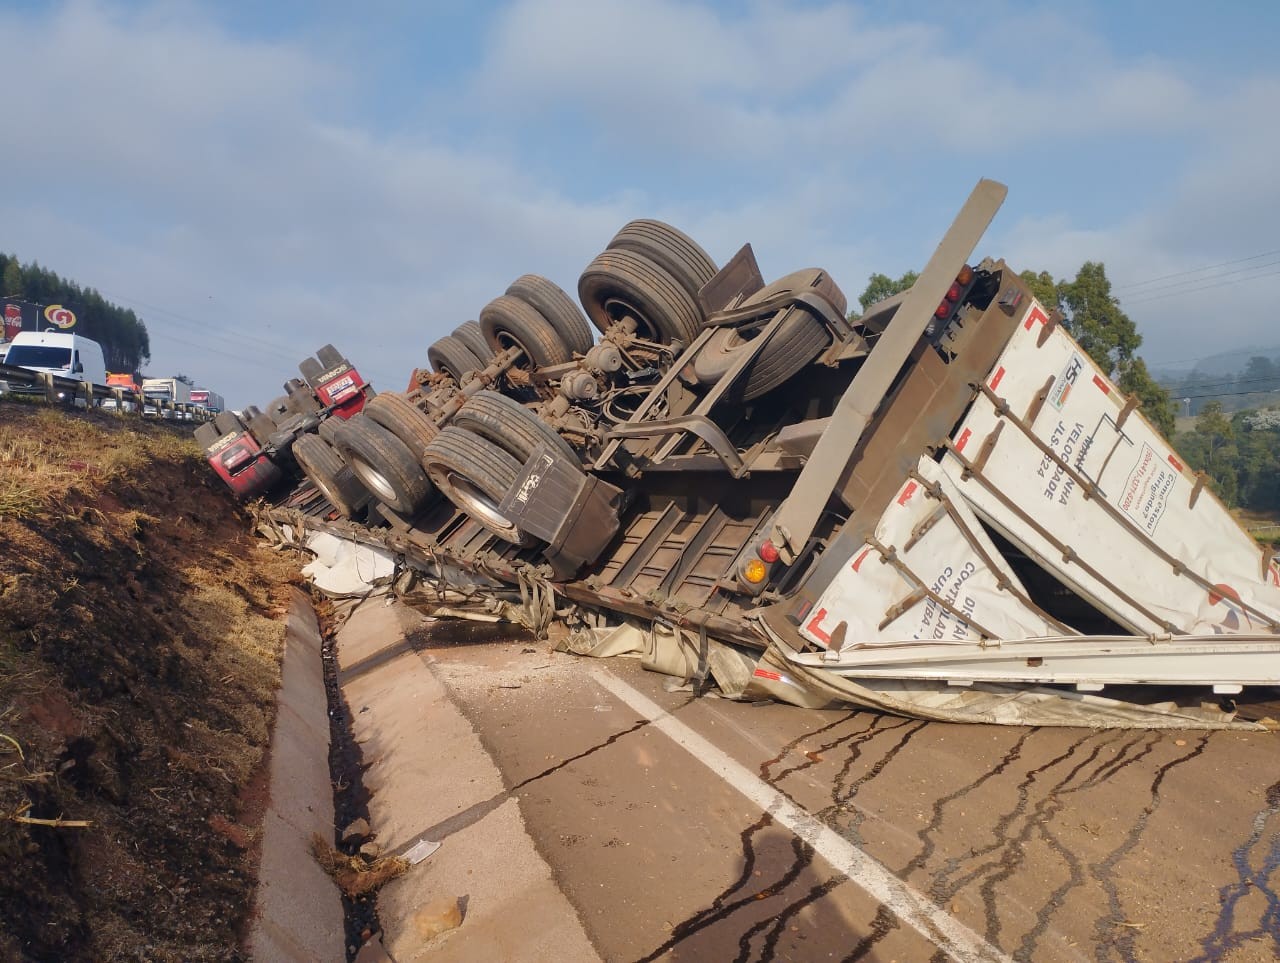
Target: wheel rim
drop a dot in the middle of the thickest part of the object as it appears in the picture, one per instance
(508, 340)
(617, 309)
(472, 500)
(374, 480)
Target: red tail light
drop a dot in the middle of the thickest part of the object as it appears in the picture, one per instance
(768, 551)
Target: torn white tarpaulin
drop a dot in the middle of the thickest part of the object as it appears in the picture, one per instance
(930, 574)
(343, 568)
(1069, 470)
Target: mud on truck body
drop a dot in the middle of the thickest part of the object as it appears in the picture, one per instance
(257, 452)
(942, 509)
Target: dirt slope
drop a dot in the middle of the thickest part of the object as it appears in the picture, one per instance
(140, 633)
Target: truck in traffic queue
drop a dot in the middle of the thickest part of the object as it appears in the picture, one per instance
(211, 401)
(161, 394)
(943, 508)
(129, 385)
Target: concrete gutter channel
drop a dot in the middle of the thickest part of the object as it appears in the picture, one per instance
(485, 893)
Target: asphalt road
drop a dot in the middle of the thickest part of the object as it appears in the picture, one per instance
(685, 828)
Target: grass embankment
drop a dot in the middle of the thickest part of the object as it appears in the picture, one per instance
(140, 634)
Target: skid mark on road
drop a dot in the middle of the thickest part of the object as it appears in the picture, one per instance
(1223, 940)
(933, 828)
(1108, 935)
(944, 884)
(868, 874)
(722, 907)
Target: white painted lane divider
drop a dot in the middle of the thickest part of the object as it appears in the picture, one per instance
(910, 907)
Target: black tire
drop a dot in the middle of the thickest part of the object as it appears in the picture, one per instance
(474, 474)
(619, 283)
(400, 416)
(310, 369)
(226, 422)
(207, 435)
(669, 248)
(329, 357)
(450, 356)
(510, 425)
(302, 400)
(469, 333)
(800, 338)
(328, 429)
(334, 477)
(550, 301)
(259, 424)
(383, 464)
(508, 321)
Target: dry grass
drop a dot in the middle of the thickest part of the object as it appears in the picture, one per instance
(356, 875)
(48, 454)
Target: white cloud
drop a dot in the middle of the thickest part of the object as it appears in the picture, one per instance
(234, 182)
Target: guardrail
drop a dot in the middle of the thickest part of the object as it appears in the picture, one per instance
(60, 391)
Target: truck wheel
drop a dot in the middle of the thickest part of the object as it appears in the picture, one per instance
(404, 419)
(669, 248)
(623, 283)
(800, 338)
(206, 435)
(508, 321)
(474, 474)
(310, 369)
(226, 422)
(450, 356)
(326, 469)
(510, 425)
(383, 464)
(550, 301)
(329, 357)
(302, 400)
(328, 429)
(260, 425)
(469, 333)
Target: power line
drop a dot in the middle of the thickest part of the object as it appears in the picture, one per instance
(1232, 394)
(1199, 270)
(1180, 287)
(1206, 287)
(1227, 381)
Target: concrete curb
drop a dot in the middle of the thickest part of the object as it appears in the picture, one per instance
(297, 909)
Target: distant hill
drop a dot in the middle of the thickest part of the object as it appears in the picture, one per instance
(1226, 364)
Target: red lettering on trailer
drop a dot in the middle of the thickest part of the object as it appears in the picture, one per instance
(907, 493)
(1175, 463)
(857, 562)
(964, 439)
(999, 376)
(766, 674)
(1034, 315)
(1106, 388)
(815, 626)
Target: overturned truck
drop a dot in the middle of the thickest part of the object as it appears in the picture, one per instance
(942, 509)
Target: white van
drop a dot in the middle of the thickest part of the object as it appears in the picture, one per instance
(58, 353)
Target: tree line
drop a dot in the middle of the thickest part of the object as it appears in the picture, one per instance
(126, 345)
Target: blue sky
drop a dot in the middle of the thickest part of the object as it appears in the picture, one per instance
(259, 179)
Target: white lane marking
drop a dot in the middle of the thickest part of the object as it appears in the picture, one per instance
(912, 908)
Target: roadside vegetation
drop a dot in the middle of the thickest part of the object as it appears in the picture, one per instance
(140, 636)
